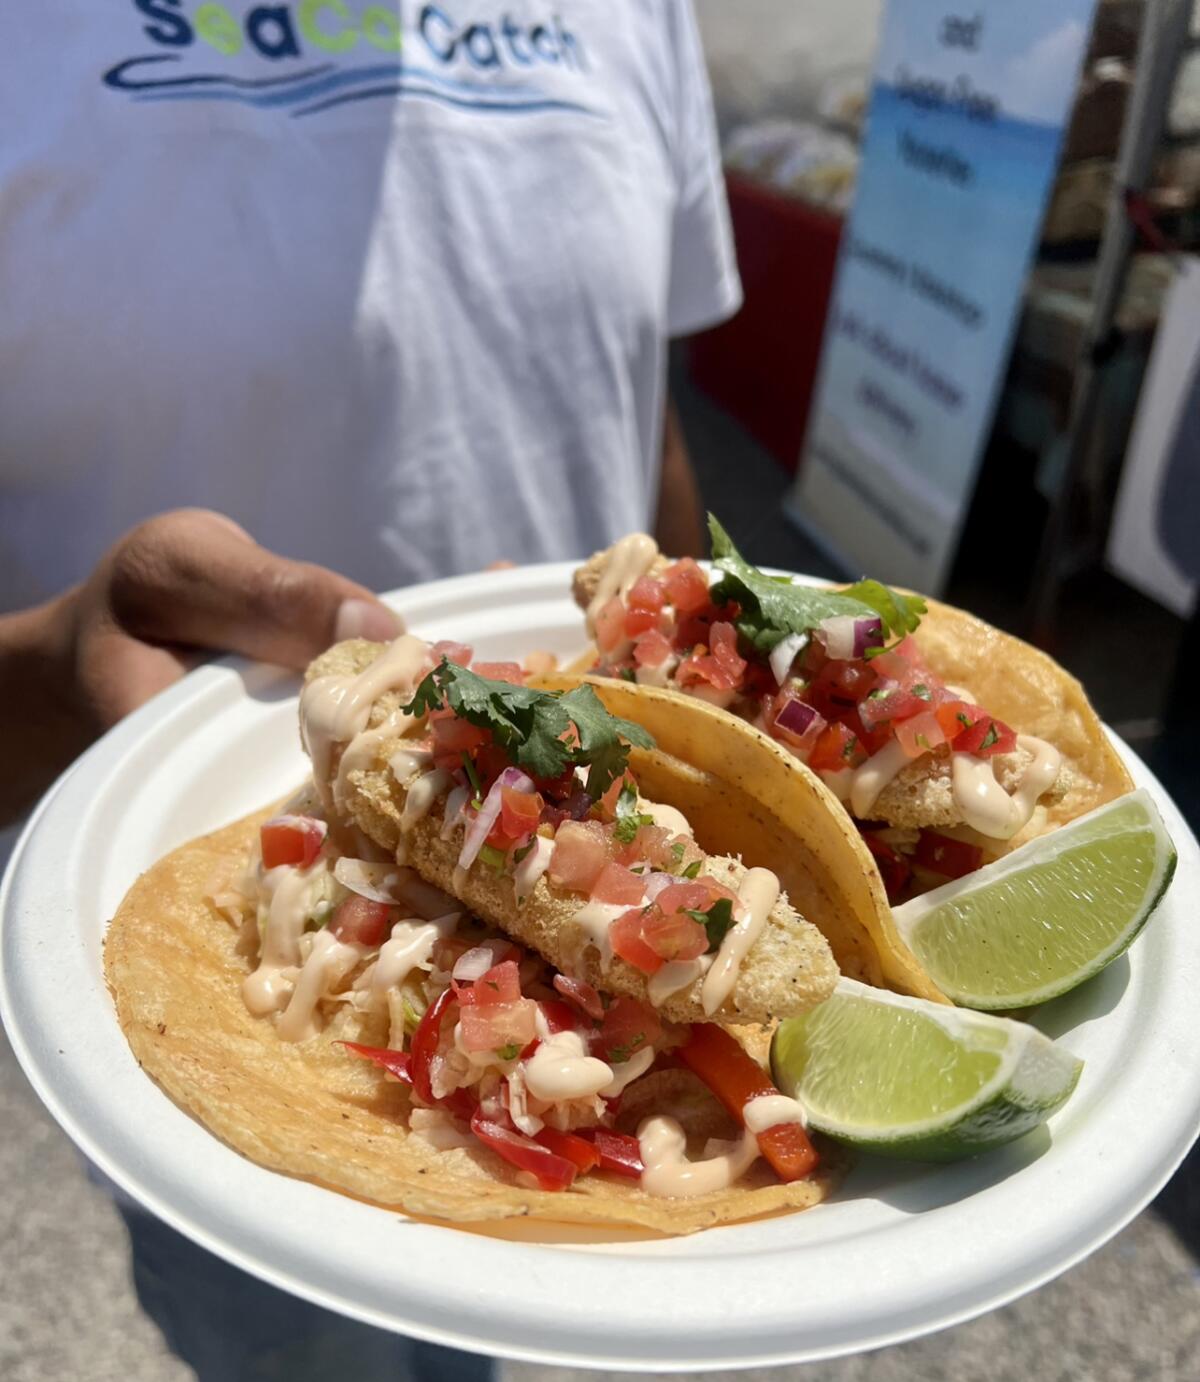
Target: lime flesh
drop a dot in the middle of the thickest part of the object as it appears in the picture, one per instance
(904, 1077)
(1047, 916)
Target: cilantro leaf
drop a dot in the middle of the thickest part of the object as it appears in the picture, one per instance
(509, 1052)
(618, 1055)
(533, 727)
(629, 820)
(693, 869)
(716, 921)
(773, 607)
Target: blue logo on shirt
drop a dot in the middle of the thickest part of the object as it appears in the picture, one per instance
(467, 65)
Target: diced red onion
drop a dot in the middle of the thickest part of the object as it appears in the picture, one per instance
(655, 883)
(376, 882)
(578, 805)
(796, 717)
(847, 636)
(785, 653)
(455, 801)
(476, 962)
(481, 826)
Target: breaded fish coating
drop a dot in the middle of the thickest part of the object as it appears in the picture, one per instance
(788, 970)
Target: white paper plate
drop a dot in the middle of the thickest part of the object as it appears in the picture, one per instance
(901, 1251)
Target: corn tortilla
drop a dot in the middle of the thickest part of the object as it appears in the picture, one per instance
(175, 967)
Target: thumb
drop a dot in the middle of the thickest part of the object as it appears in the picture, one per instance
(194, 578)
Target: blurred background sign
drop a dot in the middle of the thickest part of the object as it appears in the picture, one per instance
(964, 128)
(1155, 543)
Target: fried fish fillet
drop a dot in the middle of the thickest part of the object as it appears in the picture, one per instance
(788, 969)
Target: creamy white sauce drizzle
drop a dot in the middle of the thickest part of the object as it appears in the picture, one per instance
(666, 816)
(420, 796)
(532, 868)
(669, 1173)
(594, 919)
(874, 775)
(983, 802)
(626, 1072)
(561, 1069)
(409, 947)
(288, 893)
(336, 709)
(757, 895)
(770, 1110)
(329, 961)
(407, 762)
(628, 559)
(674, 976)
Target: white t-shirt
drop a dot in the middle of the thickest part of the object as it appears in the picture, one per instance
(388, 283)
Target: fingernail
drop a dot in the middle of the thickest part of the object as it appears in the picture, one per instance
(366, 619)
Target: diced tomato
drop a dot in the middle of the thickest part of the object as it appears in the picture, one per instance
(838, 747)
(359, 921)
(453, 737)
(840, 685)
(651, 649)
(559, 1016)
(640, 621)
(894, 868)
(724, 646)
(610, 626)
(651, 845)
(459, 653)
(625, 937)
(618, 1152)
(520, 812)
(698, 895)
(955, 716)
(583, 995)
(501, 984)
(686, 586)
(398, 1063)
(425, 1043)
(496, 1025)
(569, 1145)
(986, 736)
(950, 858)
(921, 734)
(674, 936)
(903, 664)
(552, 1172)
(628, 1027)
(888, 703)
(581, 850)
(606, 807)
(291, 840)
(501, 671)
(558, 788)
(735, 1078)
(617, 886)
(646, 593)
(490, 761)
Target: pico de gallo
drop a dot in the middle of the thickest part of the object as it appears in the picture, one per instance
(834, 676)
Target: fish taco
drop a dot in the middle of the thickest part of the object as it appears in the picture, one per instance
(948, 742)
(477, 968)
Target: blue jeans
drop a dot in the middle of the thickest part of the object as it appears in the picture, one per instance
(231, 1327)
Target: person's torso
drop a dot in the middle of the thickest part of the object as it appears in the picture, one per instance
(385, 283)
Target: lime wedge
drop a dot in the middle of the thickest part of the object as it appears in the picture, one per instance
(1047, 916)
(908, 1078)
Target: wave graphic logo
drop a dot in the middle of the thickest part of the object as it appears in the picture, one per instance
(484, 66)
(324, 86)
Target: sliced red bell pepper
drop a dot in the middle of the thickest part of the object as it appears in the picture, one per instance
(575, 1149)
(950, 858)
(425, 1044)
(735, 1078)
(398, 1063)
(618, 1152)
(552, 1172)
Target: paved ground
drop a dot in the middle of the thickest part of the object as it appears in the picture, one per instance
(67, 1309)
